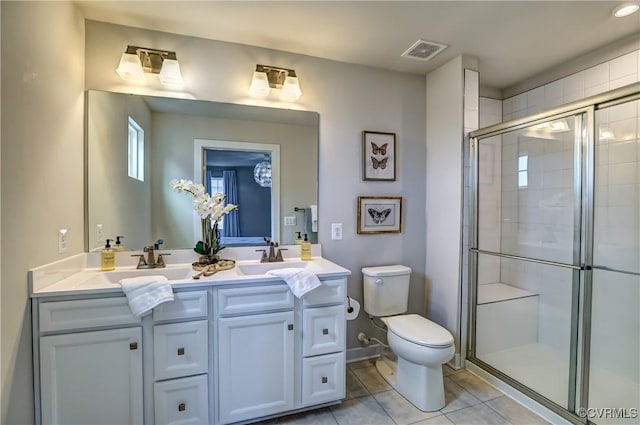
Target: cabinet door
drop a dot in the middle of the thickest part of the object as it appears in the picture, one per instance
(92, 377)
(256, 365)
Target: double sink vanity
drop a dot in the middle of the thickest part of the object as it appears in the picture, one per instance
(234, 347)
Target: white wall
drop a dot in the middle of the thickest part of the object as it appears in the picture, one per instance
(42, 170)
(362, 98)
(444, 192)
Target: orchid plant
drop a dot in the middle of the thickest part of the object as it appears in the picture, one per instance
(211, 210)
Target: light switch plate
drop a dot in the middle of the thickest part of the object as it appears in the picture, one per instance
(99, 233)
(62, 240)
(290, 220)
(336, 231)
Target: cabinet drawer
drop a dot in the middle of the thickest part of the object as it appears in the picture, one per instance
(182, 401)
(185, 305)
(323, 330)
(254, 299)
(323, 379)
(81, 314)
(180, 349)
(331, 292)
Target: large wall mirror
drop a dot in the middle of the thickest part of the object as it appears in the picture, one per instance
(137, 144)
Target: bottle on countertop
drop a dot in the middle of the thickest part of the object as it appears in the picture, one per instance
(305, 249)
(298, 240)
(119, 246)
(107, 257)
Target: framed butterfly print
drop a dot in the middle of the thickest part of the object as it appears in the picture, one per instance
(379, 214)
(379, 156)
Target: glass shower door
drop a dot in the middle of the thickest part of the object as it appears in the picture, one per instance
(528, 221)
(614, 353)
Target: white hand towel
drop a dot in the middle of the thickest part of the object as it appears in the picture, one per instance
(146, 292)
(300, 281)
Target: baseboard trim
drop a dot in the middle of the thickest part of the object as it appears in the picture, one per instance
(363, 353)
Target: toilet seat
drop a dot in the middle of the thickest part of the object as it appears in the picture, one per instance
(419, 330)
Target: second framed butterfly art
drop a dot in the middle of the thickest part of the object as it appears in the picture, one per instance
(379, 156)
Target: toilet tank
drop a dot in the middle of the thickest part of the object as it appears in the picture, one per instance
(386, 289)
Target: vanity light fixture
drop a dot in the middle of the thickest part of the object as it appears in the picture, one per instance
(266, 78)
(626, 9)
(136, 61)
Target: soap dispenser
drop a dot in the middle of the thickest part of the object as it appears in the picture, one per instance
(107, 257)
(119, 246)
(305, 249)
(298, 240)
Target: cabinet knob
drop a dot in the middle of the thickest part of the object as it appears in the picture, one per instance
(325, 331)
(181, 351)
(290, 327)
(182, 407)
(325, 379)
(133, 346)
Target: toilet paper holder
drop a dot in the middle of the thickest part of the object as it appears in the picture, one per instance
(349, 308)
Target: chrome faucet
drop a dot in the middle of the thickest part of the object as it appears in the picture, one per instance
(272, 257)
(151, 262)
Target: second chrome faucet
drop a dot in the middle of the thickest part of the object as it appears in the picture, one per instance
(151, 262)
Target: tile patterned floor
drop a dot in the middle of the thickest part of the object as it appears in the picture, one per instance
(371, 401)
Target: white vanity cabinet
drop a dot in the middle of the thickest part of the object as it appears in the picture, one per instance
(255, 351)
(228, 352)
(323, 343)
(181, 360)
(278, 354)
(89, 376)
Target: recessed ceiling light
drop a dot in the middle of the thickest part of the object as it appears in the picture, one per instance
(626, 9)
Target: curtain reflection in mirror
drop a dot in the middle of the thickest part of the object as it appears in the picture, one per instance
(232, 220)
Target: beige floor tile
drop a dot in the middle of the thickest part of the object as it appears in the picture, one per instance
(354, 387)
(479, 414)
(476, 386)
(456, 397)
(371, 379)
(438, 420)
(313, 417)
(361, 411)
(401, 411)
(514, 412)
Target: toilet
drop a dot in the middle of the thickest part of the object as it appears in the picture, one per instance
(422, 346)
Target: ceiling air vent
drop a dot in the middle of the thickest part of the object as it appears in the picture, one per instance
(424, 50)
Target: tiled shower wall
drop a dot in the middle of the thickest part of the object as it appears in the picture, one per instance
(607, 76)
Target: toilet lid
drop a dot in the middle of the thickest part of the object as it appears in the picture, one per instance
(419, 330)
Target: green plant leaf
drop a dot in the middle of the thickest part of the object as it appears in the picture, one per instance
(200, 249)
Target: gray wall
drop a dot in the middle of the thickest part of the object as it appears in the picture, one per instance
(42, 170)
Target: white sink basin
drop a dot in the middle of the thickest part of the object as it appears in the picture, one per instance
(171, 273)
(262, 268)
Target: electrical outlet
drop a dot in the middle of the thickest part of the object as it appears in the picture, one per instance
(336, 231)
(290, 220)
(62, 240)
(99, 233)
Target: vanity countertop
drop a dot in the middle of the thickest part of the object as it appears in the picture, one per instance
(75, 276)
